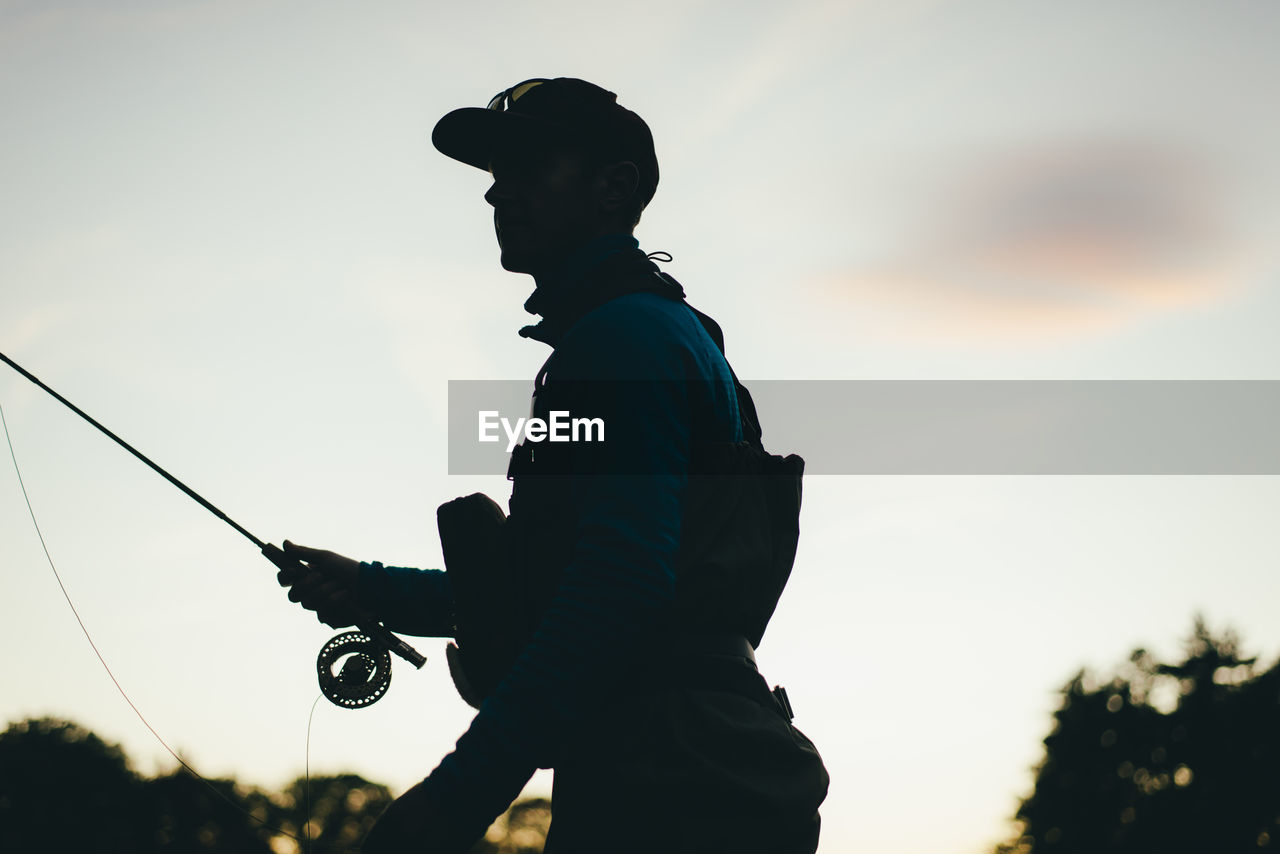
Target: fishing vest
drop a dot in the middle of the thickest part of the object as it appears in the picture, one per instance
(739, 532)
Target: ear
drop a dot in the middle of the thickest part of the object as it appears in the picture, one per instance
(618, 184)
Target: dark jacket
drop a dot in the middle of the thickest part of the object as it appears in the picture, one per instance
(617, 558)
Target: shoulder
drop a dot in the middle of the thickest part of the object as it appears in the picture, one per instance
(639, 315)
(636, 336)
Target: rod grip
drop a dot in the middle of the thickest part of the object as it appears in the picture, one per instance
(365, 621)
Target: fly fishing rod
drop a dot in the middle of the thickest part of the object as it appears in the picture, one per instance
(366, 672)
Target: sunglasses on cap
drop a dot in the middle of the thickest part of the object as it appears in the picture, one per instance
(506, 100)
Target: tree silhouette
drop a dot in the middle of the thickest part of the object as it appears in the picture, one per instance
(342, 808)
(185, 813)
(1166, 758)
(62, 788)
(521, 830)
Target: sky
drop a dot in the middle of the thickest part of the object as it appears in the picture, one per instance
(224, 234)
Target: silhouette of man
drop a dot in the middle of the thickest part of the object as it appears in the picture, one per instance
(633, 588)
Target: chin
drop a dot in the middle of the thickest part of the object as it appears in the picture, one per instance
(515, 261)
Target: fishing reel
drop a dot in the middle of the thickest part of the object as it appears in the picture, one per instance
(363, 670)
(362, 657)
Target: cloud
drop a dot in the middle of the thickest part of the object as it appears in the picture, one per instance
(1054, 240)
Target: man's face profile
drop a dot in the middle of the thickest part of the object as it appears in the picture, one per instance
(545, 204)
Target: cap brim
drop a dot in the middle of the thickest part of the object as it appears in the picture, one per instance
(471, 135)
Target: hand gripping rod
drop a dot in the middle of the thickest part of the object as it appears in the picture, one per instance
(366, 622)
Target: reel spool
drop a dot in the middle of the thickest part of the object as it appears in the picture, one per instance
(364, 676)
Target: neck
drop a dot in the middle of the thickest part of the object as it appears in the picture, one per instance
(605, 267)
(582, 259)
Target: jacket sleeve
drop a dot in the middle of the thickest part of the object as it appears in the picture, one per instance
(409, 601)
(620, 583)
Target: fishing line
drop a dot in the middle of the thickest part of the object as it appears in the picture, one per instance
(27, 498)
(364, 677)
(354, 669)
(306, 828)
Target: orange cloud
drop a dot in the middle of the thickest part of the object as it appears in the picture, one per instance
(1052, 242)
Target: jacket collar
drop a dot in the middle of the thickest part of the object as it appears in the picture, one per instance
(607, 267)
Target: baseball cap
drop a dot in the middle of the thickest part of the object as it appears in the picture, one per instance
(542, 111)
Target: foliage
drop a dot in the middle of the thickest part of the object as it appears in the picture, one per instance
(181, 812)
(59, 778)
(64, 789)
(522, 830)
(342, 808)
(1163, 757)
